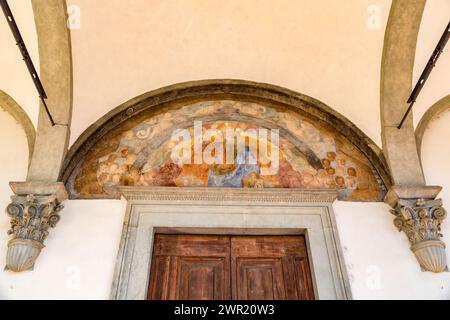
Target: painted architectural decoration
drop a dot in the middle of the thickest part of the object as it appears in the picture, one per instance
(309, 155)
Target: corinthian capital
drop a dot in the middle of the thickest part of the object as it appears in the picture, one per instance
(34, 210)
(419, 215)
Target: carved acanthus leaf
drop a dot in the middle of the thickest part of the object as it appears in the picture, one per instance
(32, 216)
(420, 219)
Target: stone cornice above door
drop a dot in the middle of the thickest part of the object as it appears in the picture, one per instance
(229, 195)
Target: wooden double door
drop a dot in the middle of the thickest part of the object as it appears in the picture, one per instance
(205, 267)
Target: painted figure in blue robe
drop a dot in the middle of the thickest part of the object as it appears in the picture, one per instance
(246, 164)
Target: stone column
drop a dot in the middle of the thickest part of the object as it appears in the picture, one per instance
(419, 215)
(34, 209)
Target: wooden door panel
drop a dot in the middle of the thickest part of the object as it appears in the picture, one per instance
(221, 267)
(191, 245)
(258, 279)
(203, 279)
(270, 267)
(158, 286)
(190, 268)
(271, 246)
(303, 279)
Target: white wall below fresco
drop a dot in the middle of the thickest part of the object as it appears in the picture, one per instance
(379, 262)
(79, 259)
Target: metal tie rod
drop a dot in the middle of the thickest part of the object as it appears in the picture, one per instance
(426, 72)
(26, 56)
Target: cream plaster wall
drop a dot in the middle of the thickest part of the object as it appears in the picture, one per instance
(79, 259)
(379, 262)
(435, 18)
(13, 159)
(14, 77)
(320, 48)
(436, 155)
(166, 42)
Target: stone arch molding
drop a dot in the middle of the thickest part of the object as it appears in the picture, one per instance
(340, 157)
(430, 115)
(15, 110)
(55, 59)
(397, 65)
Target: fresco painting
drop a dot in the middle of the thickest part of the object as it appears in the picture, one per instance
(142, 155)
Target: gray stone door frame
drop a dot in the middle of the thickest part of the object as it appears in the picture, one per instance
(229, 211)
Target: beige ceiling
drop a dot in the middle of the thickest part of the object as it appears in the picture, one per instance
(435, 18)
(14, 77)
(320, 48)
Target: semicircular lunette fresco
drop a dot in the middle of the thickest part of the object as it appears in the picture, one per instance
(310, 156)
